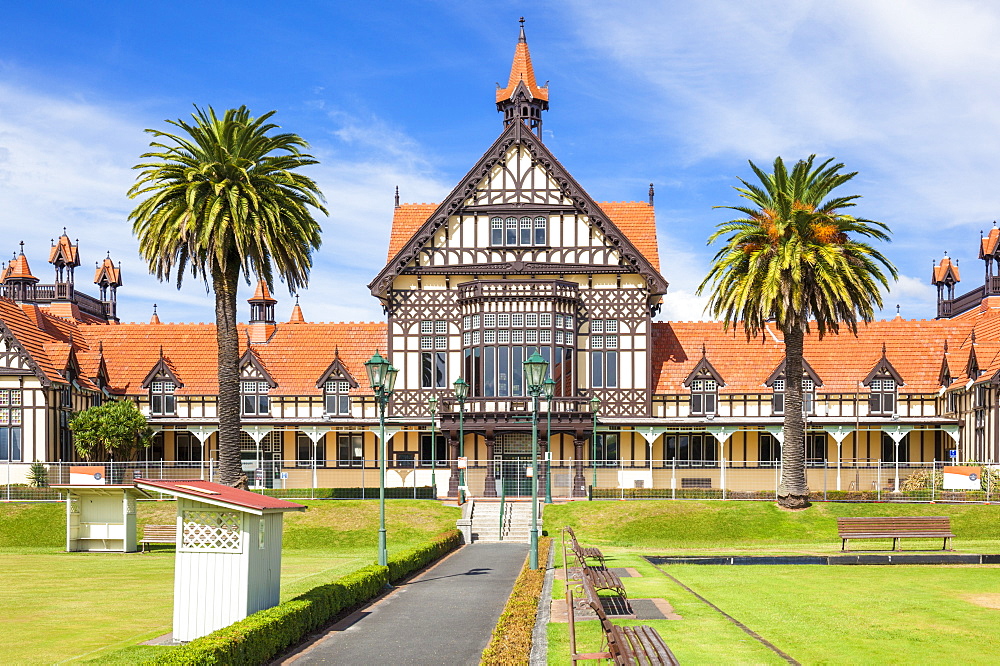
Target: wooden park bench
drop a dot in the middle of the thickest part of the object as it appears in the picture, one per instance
(158, 534)
(638, 645)
(895, 528)
(583, 554)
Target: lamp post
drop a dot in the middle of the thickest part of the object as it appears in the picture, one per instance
(595, 406)
(549, 389)
(382, 377)
(432, 402)
(461, 393)
(534, 375)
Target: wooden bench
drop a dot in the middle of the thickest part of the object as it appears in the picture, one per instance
(895, 528)
(158, 534)
(626, 645)
(583, 554)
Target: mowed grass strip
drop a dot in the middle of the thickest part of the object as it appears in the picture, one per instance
(817, 614)
(665, 526)
(62, 606)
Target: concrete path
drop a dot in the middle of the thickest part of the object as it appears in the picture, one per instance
(444, 616)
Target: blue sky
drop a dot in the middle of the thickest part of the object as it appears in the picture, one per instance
(676, 93)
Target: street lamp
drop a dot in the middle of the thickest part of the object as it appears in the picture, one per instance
(432, 402)
(382, 377)
(595, 406)
(535, 369)
(461, 393)
(549, 389)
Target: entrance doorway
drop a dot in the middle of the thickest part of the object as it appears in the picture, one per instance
(512, 458)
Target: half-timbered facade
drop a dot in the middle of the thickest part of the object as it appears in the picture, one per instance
(517, 259)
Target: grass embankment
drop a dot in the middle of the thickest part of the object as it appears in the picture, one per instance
(816, 614)
(64, 606)
(665, 526)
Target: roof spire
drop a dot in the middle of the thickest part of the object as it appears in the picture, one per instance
(523, 99)
(397, 196)
(155, 319)
(650, 194)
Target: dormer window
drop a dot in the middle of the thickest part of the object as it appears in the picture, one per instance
(337, 400)
(161, 398)
(255, 398)
(882, 399)
(808, 396)
(704, 396)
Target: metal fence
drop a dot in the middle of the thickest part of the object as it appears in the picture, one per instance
(866, 480)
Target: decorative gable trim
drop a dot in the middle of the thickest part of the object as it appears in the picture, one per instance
(250, 363)
(944, 375)
(704, 370)
(517, 133)
(161, 369)
(14, 344)
(883, 367)
(779, 372)
(337, 371)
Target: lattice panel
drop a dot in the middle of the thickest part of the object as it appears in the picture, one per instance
(212, 530)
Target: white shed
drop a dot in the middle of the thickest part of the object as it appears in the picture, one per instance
(228, 562)
(100, 517)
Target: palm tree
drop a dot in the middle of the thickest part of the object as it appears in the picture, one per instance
(794, 259)
(223, 199)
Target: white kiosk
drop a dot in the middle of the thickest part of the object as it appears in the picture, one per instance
(228, 562)
(100, 517)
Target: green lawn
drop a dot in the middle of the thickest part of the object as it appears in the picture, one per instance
(62, 606)
(816, 614)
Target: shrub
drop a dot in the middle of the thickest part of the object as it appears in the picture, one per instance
(38, 475)
(408, 561)
(511, 642)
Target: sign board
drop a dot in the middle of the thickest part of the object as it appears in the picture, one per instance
(87, 475)
(463, 463)
(284, 475)
(528, 472)
(962, 477)
(952, 453)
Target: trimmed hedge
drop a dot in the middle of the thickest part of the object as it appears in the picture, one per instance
(814, 495)
(511, 642)
(423, 492)
(261, 636)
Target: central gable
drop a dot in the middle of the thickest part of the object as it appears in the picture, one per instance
(518, 210)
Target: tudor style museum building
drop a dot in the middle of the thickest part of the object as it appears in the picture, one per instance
(516, 260)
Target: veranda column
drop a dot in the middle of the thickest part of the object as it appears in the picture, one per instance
(453, 463)
(490, 489)
(579, 482)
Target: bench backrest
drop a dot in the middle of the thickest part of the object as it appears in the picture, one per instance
(159, 530)
(924, 524)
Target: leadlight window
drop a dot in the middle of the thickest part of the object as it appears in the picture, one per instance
(350, 450)
(603, 354)
(882, 399)
(704, 396)
(525, 231)
(429, 442)
(336, 398)
(433, 369)
(952, 401)
(608, 450)
(11, 417)
(161, 398)
(304, 450)
(695, 449)
(808, 396)
(255, 398)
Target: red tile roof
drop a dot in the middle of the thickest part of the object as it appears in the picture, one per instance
(940, 272)
(635, 219)
(913, 347)
(988, 245)
(70, 252)
(108, 271)
(18, 268)
(217, 493)
(262, 293)
(521, 70)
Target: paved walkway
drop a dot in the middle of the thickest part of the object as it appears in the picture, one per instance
(445, 616)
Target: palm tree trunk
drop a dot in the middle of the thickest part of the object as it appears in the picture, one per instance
(792, 491)
(230, 468)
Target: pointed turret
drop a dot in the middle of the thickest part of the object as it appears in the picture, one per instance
(297, 317)
(523, 99)
(108, 278)
(18, 282)
(262, 323)
(945, 276)
(65, 256)
(155, 319)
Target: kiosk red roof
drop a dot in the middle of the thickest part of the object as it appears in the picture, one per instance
(217, 493)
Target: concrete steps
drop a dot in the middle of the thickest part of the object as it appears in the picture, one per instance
(516, 526)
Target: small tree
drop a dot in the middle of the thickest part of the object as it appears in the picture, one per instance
(38, 475)
(116, 429)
